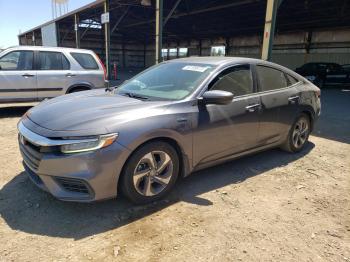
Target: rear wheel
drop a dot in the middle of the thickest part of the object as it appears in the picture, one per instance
(298, 135)
(150, 173)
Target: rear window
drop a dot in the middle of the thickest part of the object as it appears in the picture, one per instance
(291, 80)
(270, 78)
(86, 61)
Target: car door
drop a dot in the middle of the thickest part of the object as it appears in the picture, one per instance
(53, 72)
(18, 79)
(223, 130)
(279, 100)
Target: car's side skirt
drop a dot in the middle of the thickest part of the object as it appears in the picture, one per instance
(235, 156)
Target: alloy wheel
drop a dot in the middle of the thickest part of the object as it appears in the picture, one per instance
(300, 133)
(153, 173)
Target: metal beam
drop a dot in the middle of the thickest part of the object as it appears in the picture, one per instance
(210, 9)
(120, 19)
(159, 30)
(269, 31)
(171, 12)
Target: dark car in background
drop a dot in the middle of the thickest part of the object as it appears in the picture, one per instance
(346, 68)
(325, 74)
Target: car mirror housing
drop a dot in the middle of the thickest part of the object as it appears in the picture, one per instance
(217, 97)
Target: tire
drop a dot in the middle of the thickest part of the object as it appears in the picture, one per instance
(77, 89)
(144, 178)
(298, 135)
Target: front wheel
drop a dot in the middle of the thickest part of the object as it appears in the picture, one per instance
(150, 173)
(298, 135)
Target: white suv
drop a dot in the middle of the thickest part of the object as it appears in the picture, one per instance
(30, 73)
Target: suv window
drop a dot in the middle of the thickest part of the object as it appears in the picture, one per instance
(334, 67)
(53, 61)
(237, 80)
(86, 61)
(270, 78)
(17, 60)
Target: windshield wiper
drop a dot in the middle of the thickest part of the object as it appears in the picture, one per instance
(133, 95)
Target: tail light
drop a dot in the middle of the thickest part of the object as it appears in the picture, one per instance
(103, 67)
(318, 93)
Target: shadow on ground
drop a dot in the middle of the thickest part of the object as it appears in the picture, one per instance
(25, 208)
(13, 111)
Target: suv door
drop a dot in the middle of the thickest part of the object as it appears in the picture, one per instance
(18, 77)
(53, 71)
(223, 130)
(279, 100)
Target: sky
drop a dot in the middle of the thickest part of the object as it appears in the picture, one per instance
(20, 15)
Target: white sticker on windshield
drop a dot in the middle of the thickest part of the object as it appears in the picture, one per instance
(195, 68)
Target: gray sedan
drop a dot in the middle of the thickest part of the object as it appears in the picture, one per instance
(175, 118)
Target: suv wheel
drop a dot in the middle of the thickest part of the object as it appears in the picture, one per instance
(150, 173)
(77, 89)
(298, 135)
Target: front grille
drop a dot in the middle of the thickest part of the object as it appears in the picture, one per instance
(73, 185)
(30, 153)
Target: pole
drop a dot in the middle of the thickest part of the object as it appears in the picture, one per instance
(159, 30)
(76, 28)
(269, 32)
(107, 40)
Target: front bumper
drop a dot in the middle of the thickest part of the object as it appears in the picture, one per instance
(82, 177)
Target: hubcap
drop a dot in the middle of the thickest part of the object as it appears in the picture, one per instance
(300, 133)
(153, 173)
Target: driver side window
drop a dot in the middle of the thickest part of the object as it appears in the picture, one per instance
(237, 80)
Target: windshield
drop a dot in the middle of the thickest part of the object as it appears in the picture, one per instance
(166, 81)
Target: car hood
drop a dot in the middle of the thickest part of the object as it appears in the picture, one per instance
(95, 111)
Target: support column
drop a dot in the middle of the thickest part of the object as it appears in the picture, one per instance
(159, 30)
(269, 32)
(123, 52)
(227, 46)
(33, 38)
(107, 40)
(76, 29)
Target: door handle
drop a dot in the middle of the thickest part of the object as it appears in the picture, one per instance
(252, 108)
(293, 99)
(181, 120)
(70, 75)
(27, 75)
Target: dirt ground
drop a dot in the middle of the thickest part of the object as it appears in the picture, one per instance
(272, 206)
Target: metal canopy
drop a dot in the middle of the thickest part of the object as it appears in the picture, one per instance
(208, 18)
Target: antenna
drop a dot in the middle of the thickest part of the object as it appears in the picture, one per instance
(59, 8)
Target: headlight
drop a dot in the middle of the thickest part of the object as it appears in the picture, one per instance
(88, 144)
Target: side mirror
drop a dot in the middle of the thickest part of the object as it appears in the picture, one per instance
(217, 97)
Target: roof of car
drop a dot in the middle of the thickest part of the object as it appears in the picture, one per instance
(217, 60)
(321, 63)
(48, 48)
